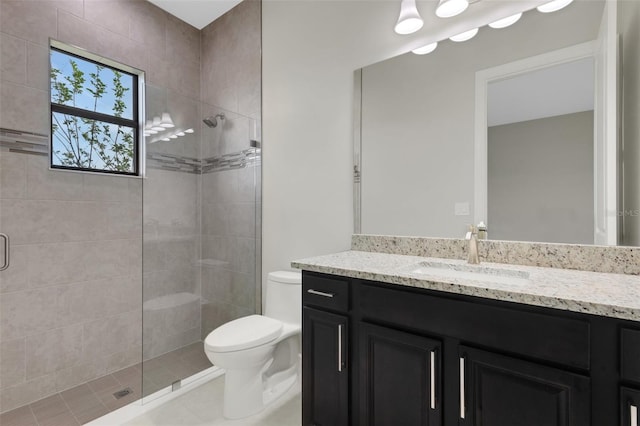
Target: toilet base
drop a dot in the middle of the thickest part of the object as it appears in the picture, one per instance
(247, 393)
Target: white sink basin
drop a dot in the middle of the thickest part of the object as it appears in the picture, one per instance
(432, 269)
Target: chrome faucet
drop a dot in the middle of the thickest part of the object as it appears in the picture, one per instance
(472, 247)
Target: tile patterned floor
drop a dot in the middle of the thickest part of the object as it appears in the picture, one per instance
(203, 406)
(161, 371)
(89, 401)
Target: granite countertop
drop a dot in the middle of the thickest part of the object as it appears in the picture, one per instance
(605, 294)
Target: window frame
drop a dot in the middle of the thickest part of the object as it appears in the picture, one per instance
(135, 123)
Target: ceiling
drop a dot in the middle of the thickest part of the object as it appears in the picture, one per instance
(198, 13)
(557, 90)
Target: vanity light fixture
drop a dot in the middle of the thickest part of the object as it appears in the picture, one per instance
(449, 8)
(409, 20)
(554, 6)
(189, 131)
(467, 35)
(505, 22)
(425, 49)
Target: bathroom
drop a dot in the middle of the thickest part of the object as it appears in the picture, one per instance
(294, 95)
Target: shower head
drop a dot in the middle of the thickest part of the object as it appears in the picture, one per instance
(213, 121)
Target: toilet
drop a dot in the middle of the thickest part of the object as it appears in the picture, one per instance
(260, 353)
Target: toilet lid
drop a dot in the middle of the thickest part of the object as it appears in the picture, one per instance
(243, 333)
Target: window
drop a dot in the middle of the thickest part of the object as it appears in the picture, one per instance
(94, 113)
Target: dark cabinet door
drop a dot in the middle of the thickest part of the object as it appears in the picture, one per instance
(325, 379)
(496, 390)
(400, 380)
(630, 407)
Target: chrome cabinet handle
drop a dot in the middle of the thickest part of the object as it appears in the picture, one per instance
(432, 368)
(340, 347)
(320, 293)
(5, 265)
(633, 415)
(462, 396)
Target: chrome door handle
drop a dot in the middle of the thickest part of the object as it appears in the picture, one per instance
(432, 368)
(340, 348)
(5, 264)
(633, 415)
(320, 293)
(462, 396)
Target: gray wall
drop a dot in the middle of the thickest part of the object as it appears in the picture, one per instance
(540, 180)
(629, 29)
(418, 122)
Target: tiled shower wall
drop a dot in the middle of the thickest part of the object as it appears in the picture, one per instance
(231, 208)
(70, 304)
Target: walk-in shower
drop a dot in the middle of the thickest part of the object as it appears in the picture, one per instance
(114, 278)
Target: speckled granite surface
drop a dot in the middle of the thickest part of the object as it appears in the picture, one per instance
(606, 294)
(620, 260)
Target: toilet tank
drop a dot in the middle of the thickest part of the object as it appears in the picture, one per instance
(284, 296)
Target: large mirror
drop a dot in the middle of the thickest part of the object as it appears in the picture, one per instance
(531, 129)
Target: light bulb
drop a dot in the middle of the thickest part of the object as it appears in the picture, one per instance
(467, 35)
(156, 125)
(449, 8)
(409, 20)
(166, 121)
(425, 49)
(505, 22)
(554, 6)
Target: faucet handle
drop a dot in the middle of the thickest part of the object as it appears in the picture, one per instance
(482, 231)
(473, 230)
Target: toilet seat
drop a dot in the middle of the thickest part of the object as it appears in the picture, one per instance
(243, 333)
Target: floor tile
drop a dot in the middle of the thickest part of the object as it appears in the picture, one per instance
(19, 417)
(63, 419)
(167, 415)
(84, 404)
(107, 382)
(49, 407)
(131, 376)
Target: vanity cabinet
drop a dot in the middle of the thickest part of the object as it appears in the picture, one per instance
(325, 366)
(500, 390)
(327, 395)
(423, 357)
(399, 378)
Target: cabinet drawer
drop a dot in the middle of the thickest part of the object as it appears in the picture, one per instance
(325, 292)
(630, 354)
(510, 329)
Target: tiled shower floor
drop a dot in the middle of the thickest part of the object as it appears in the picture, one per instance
(89, 401)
